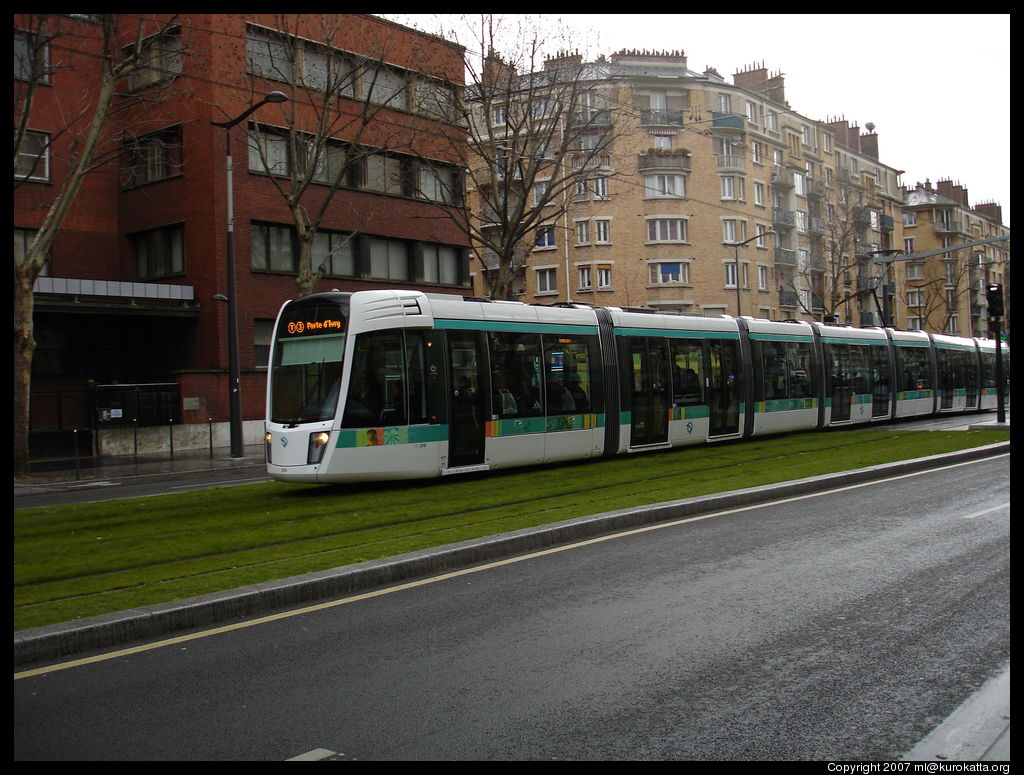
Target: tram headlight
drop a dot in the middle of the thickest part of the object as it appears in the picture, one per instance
(267, 438)
(317, 445)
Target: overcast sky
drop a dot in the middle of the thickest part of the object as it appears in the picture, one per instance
(936, 86)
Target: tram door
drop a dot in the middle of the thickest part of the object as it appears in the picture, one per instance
(724, 385)
(648, 371)
(468, 396)
(880, 373)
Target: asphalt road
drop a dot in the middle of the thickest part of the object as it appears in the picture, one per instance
(841, 625)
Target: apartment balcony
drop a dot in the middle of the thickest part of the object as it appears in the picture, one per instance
(816, 262)
(601, 118)
(785, 257)
(728, 121)
(948, 227)
(731, 162)
(816, 188)
(886, 223)
(590, 162)
(672, 118)
(816, 225)
(782, 177)
(782, 217)
(788, 299)
(669, 160)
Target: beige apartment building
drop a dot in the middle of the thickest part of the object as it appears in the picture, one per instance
(716, 197)
(945, 292)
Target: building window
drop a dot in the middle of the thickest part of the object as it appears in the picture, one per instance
(665, 186)
(160, 60)
(273, 249)
(156, 156)
(762, 278)
(600, 187)
(384, 174)
(263, 332)
(441, 264)
(733, 187)
(669, 272)
(335, 252)
(734, 230)
(545, 237)
(604, 278)
(666, 230)
(547, 281)
(385, 86)
(268, 153)
(582, 232)
(24, 62)
(799, 184)
(583, 273)
(159, 252)
(389, 259)
(32, 161)
(757, 152)
(326, 71)
(602, 231)
(269, 55)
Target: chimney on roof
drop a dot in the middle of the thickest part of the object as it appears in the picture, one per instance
(496, 70)
(954, 191)
(990, 210)
(755, 78)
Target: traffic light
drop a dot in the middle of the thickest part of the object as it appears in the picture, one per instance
(994, 298)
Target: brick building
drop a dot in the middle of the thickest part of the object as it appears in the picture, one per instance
(945, 292)
(130, 324)
(697, 167)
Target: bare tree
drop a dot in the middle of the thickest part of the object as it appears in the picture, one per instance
(87, 140)
(538, 126)
(339, 132)
(836, 262)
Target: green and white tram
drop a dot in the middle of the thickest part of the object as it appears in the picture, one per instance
(389, 384)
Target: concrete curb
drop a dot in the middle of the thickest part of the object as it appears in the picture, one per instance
(125, 628)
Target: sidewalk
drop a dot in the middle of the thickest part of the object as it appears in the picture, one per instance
(125, 467)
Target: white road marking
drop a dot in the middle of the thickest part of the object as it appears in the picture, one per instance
(315, 755)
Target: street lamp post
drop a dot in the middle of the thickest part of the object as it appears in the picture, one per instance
(736, 252)
(234, 376)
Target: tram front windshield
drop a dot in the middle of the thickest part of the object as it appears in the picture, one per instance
(307, 361)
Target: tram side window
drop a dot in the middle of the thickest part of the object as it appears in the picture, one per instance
(377, 392)
(571, 373)
(914, 370)
(840, 366)
(424, 366)
(988, 370)
(786, 368)
(880, 371)
(516, 370)
(687, 373)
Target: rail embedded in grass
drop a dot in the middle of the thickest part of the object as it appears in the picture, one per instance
(82, 560)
